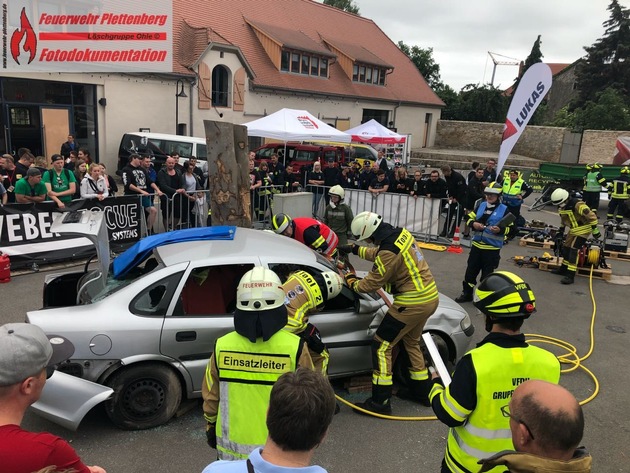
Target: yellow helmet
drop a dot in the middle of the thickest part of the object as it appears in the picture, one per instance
(625, 170)
(504, 295)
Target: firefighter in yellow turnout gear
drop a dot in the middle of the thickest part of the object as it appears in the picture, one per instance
(581, 221)
(484, 379)
(400, 269)
(246, 363)
(618, 193)
(307, 293)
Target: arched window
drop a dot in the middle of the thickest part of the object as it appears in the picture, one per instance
(220, 86)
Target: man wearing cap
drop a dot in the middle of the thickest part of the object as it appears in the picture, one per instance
(61, 184)
(27, 359)
(30, 189)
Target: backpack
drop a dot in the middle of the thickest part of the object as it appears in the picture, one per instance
(51, 175)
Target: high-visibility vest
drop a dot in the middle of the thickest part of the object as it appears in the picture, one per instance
(593, 181)
(247, 372)
(511, 190)
(487, 236)
(499, 371)
(330, 237)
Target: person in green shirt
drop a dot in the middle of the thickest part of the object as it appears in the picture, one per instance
(30, 189)
(60, 183)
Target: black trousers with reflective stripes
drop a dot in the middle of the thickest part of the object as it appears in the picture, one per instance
(485, 261)
(592, 200)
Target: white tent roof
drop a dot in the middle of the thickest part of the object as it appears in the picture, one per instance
(374, 132)
(294, 125)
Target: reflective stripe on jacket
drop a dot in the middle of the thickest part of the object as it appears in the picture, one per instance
(303, 295)
(486, 236)
(327, 236)
(618, 189)
(580, 219)
(247, 372)
(400, 269)
(498, 372)
(511, 190)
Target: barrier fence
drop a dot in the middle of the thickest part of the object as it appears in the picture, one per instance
(25, 235)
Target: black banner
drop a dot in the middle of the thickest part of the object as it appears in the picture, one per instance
(25, 230)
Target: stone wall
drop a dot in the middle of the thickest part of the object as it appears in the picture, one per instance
(599, 146)
(538, 142)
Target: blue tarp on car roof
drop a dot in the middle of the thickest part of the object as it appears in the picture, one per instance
(138, 252)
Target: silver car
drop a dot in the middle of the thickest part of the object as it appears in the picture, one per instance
(145, 325)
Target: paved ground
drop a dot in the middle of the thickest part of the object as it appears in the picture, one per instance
(357, 443)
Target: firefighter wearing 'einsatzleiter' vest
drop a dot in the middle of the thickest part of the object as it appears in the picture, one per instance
(484, 379)
(246, 363)
(400, 269)
(307, 293)
(582, 221)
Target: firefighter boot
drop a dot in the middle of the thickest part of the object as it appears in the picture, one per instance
(467, 293)
(417, 391)
(569, 278)
(561, 270)
(379, 402)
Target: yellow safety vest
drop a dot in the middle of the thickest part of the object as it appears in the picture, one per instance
(247, 372)
(499, 371)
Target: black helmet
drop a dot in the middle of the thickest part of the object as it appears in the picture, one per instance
(280, 223)
(504, 295)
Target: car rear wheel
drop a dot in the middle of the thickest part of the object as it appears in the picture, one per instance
(145, 396)
(401, 365)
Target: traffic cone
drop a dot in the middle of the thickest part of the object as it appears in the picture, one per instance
(455, 245)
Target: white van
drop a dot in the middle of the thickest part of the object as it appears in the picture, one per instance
(159, 146)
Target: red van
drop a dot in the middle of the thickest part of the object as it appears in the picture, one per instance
(300, 155)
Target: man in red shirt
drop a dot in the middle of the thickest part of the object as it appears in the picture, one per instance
(307, 230)
(27, 359)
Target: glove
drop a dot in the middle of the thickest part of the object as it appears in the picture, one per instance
(351, 279)
(597, 234)
(211, 435)
(347, 249)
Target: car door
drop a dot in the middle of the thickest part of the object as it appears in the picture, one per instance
(200, 312)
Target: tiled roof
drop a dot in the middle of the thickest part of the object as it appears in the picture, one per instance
(292, 39)
(304, 23)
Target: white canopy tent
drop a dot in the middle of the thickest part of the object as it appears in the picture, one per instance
(374, 133)
(295, 125)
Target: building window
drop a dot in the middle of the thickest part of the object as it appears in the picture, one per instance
(220, 86)
(20, 117)
(323, 68)
(284, 61)
(303, 63)
(368, 74)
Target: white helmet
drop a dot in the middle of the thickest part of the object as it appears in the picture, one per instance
(559, 196)
(338, 191)
(334, 283)
(259, 289)
(365, 224)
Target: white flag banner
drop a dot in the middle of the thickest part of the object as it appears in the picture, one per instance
(532, 88)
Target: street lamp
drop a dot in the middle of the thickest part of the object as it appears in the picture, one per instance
(178, 93)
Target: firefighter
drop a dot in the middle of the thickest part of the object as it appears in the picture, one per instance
(399, 268)
(581, 221)
(246, 363)
(486, 376)
(618, 194)
(307, 293)
(487, 240)
(338, 214)
(515, 190)
(307, 230)
(593, 182)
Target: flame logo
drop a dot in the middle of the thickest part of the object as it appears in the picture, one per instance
(30, 44)
(307, 122)
(508, 130)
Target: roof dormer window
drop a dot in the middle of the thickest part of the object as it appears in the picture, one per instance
(298, 62)
(368, 74)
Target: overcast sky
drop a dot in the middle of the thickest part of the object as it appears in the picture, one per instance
(461, 32)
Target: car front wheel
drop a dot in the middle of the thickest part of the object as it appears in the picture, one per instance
(145, 396)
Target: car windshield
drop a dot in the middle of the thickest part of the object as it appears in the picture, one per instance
(113, 285)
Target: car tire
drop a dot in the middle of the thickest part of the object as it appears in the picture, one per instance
(145, 396)
(401, 364)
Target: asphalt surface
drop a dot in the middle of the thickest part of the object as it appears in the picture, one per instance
(356, 443)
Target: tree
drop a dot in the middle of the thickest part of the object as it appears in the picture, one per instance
(608, 112)
(423, 60)
(345, 5)
(534, 57)
(482, 104)
(607, 62)
(451, 99)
